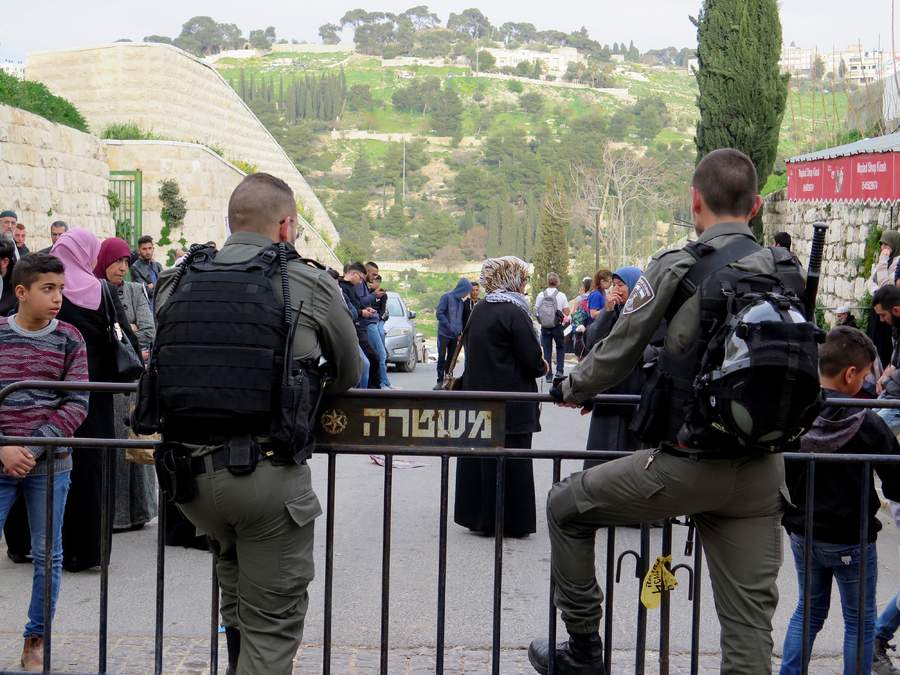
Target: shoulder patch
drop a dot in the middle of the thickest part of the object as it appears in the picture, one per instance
(640, 296)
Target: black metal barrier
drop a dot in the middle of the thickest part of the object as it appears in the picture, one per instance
(367, 428)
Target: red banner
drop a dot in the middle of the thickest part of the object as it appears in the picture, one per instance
(865, 178)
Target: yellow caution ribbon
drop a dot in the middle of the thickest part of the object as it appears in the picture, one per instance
(658, 578)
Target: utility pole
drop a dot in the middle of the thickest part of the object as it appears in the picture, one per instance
(596, 211)
(404, 170)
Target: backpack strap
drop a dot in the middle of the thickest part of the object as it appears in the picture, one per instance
(709, 261)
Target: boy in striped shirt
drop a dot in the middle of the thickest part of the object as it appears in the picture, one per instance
(34, 345)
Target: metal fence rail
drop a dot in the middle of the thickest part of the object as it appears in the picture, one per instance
(642, 556)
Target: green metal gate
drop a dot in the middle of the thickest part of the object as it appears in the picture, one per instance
(125, 204)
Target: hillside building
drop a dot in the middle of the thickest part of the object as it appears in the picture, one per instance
(556, 61)
(860, 65)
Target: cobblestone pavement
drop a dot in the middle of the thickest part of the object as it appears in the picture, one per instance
(190, 656)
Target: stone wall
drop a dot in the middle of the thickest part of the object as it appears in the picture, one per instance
(849, 224)
(206, 181)
(166, 91)
(52, 172)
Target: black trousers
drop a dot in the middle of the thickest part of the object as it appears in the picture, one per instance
(446, 349)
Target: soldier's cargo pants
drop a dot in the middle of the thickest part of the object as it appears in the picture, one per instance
(737, 506)
(261, 528)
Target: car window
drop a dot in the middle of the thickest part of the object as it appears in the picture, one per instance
(395, 307)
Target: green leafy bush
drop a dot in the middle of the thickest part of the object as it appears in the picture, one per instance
(125, 131)
(246, 167)
(36, 98)
(873, 246)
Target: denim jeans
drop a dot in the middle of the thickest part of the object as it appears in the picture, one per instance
(549, 336)
(34, 488)
(364, 377)
(377, 341)
(839, 562)
(889, 620)
(892, 417)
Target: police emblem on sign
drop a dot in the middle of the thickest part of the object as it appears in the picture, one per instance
(642, 295)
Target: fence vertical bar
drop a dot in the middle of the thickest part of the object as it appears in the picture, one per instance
(329, 567)
(49, 541)
(160, 583)
(551, 625)
(695, 609)
(386, 562)
(643, 564)
(807, 561)
(214, 619)
(499, 502)
(865, 477)
(665, 604)
(610, 591)
(106, 493)
(442, 565)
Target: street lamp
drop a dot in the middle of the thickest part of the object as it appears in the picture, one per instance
(596, 211)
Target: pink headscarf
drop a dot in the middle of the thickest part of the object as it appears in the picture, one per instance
(78, 250)
(111, 250)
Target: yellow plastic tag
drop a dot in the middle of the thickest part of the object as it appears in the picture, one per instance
(658, 578)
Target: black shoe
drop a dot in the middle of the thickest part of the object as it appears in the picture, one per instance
(18, 558)
(575, 657)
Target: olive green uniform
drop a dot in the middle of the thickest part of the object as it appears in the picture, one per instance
(736, 501)
(261, 525)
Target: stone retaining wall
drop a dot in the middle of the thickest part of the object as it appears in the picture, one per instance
(170, 93)
(845, 243)
(52, 172)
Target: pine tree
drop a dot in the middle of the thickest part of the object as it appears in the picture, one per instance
(552, 252)
(494, 243)
(742, 91)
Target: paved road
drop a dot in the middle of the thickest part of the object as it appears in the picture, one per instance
(413, 580)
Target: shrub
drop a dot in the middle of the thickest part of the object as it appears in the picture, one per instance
(36, 98)
(127, 131)
(246, 167)
(514, 86)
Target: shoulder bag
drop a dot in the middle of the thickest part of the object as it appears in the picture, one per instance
(127, 364)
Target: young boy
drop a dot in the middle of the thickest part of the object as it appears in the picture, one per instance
(34, 345)
(844, 362)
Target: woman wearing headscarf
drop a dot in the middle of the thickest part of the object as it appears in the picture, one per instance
(83, 307)
(883, 273)
(502, 354)
(136, 496)
(609, 422)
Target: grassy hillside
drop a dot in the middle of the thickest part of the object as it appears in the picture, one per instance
(356, 168)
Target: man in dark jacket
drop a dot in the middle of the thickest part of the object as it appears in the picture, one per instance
(844, 362)
(353, 277)
(145, 269)
(450, 324)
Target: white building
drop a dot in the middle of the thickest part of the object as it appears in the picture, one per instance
(556, 61)
(13, 68)
(860, 64)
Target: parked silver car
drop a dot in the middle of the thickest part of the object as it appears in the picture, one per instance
(400, 334)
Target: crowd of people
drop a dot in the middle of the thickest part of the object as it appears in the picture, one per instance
(67, 312)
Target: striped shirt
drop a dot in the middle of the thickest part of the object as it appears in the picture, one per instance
(55, 353)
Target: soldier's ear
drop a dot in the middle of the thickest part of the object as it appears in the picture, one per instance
(757, 205)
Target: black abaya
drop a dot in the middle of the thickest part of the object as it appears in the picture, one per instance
(476, 491)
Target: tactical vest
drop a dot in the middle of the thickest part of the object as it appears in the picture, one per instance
(220, 346)
(670, 411)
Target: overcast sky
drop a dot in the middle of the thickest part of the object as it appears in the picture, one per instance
(39, 25)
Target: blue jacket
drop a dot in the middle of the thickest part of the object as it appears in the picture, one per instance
(366, 299)
(450, 309)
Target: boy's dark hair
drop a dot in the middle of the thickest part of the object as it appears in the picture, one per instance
(726, 178)
(783, 239)
(30, 266)
(475, 284)
(845, 347)
(355, 267)
(146, 239)
(7, 248)
(372, 265)
(886, 296)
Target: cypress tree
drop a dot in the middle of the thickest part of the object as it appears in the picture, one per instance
(552, 251)
(742, 91)
(493, 246)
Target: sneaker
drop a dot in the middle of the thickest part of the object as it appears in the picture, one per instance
(33, 654)
(881, 663)
(583, 656)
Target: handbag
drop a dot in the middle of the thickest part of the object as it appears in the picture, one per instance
(451, 383)
(128, 365)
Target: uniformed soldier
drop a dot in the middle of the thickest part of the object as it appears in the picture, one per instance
(259, 517)
(735, 498)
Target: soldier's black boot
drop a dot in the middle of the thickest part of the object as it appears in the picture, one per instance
(581, 655)
(233, 640)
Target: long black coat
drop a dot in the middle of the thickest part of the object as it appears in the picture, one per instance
(502, 354)
(610, 422)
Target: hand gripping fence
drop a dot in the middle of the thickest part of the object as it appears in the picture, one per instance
(383, 400)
